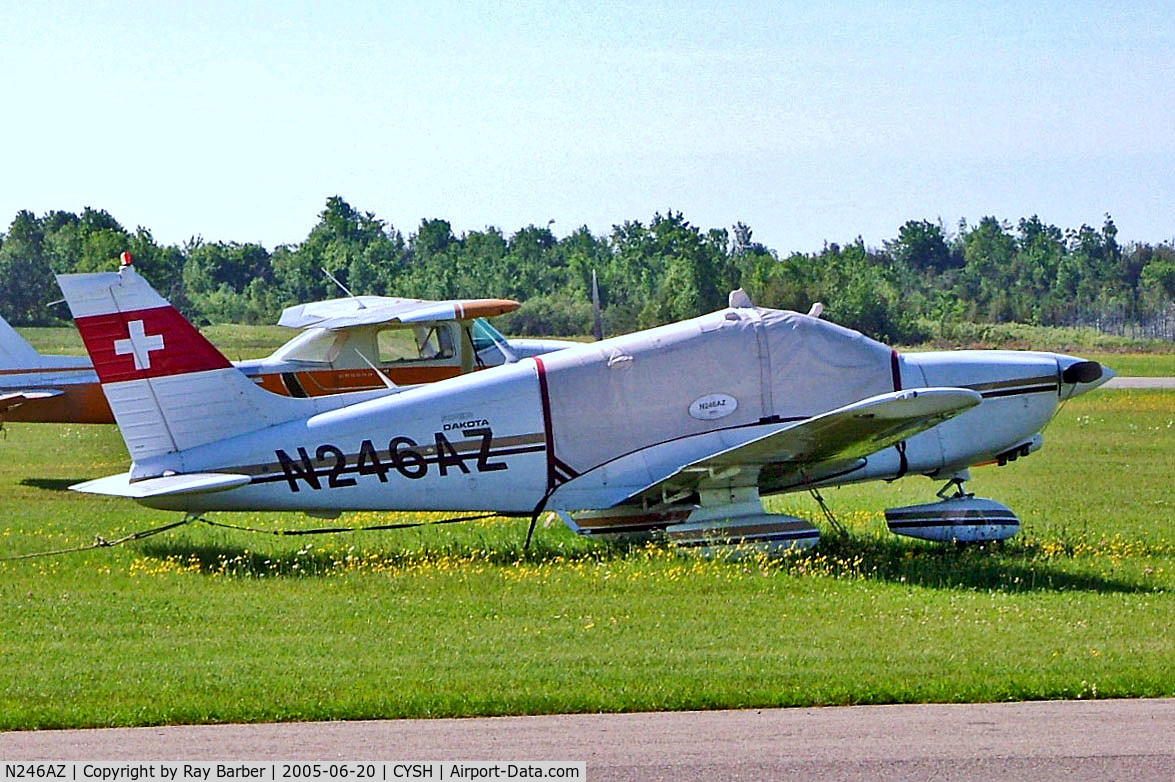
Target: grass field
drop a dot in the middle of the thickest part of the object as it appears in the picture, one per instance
(203, 624)
(1137, 364)
(235, 341)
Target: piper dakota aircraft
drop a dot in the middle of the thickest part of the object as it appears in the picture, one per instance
(349, 344)
(676, 431)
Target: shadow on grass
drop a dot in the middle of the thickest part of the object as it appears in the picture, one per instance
(1004, 567)
(318, 560)
(51, 484)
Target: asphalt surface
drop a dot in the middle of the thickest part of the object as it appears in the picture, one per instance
(1140, 382)
(1069, 740)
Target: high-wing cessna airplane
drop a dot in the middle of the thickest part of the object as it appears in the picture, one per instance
(350, 344)
(675, 431)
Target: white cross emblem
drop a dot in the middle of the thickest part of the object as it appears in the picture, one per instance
(139, 344)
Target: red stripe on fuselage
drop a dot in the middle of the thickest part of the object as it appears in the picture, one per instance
(147, 343)
(552, 476)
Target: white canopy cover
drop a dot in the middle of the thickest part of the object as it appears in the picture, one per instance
(722, 371)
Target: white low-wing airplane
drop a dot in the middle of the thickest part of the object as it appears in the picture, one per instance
(359, 343)
(674, 431)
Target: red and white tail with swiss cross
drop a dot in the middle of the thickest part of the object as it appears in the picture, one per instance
(169, 387)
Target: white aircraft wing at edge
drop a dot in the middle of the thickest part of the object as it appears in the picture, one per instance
(373, 310)
(842, 435)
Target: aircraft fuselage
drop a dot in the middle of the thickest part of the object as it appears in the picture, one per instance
(591, 426)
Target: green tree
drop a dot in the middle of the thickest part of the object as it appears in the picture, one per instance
(26, 281)
(216, 276)
(922, 245)
(1159, 274)
(985, 285)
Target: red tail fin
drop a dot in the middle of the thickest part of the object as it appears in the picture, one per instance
(146, 343)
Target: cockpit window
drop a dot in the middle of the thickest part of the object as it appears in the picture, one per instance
(315, 346)
(417, 343)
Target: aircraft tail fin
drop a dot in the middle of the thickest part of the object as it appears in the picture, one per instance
(169, 387)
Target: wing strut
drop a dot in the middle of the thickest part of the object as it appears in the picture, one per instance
(836, 525)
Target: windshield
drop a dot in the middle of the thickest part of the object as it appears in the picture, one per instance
(485, 335)
(316, 346)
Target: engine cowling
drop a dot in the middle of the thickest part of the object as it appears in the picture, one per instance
(958, 519)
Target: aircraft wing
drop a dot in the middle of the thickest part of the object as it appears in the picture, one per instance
(371, 310)
(14, 398)
(840, 436)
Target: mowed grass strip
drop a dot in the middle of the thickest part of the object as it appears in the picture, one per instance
(208, 625)
(237, 342)
(1136, 364)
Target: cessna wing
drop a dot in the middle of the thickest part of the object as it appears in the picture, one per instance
(825, 442)
(374, 310)
(469, 341)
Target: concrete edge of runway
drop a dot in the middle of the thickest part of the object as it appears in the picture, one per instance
(985, 740)
(1140, 382)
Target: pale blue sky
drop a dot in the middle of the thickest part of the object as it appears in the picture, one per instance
(235, 121)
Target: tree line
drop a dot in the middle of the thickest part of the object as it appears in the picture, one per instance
(648, 273)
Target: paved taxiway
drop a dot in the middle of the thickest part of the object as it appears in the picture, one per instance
(1070, 740)
(1140, 382)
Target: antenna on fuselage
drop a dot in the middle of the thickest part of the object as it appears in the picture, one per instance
(739, 299)
(344, 288)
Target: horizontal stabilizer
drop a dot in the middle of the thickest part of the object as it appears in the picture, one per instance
(10, 400)
(163, 486)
